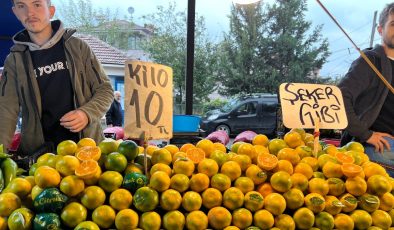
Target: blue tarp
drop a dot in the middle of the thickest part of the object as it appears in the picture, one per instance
(9, 26)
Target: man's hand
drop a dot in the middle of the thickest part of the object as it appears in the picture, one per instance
(75, 120)
(379, 142)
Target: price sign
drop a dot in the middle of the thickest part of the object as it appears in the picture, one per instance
(148, 100)
(303, 104)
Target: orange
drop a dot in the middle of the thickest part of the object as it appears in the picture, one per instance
(179, 182)
(324, 220)
(129, 149)
(263, 219)
(220, 157)
(235, 146)
(161, 167)
(3, 223)
(46, 177)
(208, 167)
(331, 150)
(174, 220)
(170, 200)
(134, 167)
(150, 149)
(294, 198)
(150, 220)
(333, 205)
(184, 166)
(199, 182)
(19, 186)
(386, 202)
(289, 155)
(159, 181)
(304, 218)
(343, 221)
(357, 156)
(104, 216)
(195, 154)
(314, 202)
(233, 198)
(242, 218)
(381, 219)
(247, 149)
(260, 139)
(196, 220)
(87, 225)
(178, 155)
(355, 146)
(191, 201)
(87, 141)
(336, 186)
(93, 197)
(253, 201)
(267, 161)
(275, 145)
(88, 152)
(206, 145)
(219, 146)
(211, 197)
(145, 199)
(260, 149)
(304, 169)
(45, 158)
(344, 158)
(255, 173)
(368, 202)
(293, 139)
(73, 214)
(311, 161)
(172, 149)
(108, 146)
(299, 181)
(231, 169)
(8, 203)
(378, 185)
(21, 219)
(361, 219)
(318, 185)
(331, 170)
(110, 180)
(93, 179)
(161, 156)
(356, 186)
(303, 151)
(120, 199)
(72, 185)
(281, 181)
(243, 160)
(87, 169)
(67, 147)
(219, 217)
(372, 168)
(284, 221)
(245, 184)
(220, 181)
(186, 146)
(67, 164)
(349, 202)
(324, 158)
(351, 170)
(275, 203)
(284, 165)
(265, 189)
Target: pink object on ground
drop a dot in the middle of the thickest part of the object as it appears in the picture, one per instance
(245, 136)
(219, 136)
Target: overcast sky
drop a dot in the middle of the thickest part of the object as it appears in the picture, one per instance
(355, 16)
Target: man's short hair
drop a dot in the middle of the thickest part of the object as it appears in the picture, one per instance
(384, 15)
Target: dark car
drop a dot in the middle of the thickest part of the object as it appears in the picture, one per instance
(257, 113)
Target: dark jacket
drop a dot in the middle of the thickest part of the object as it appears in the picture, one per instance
(364, 92)
(114, 115)
(19, 91)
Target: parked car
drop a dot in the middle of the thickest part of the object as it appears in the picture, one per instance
(256, 112)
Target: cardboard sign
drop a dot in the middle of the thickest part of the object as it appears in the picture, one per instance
(148, 100)
(303, 104)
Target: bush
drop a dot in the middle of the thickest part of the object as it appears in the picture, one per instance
(214, 104)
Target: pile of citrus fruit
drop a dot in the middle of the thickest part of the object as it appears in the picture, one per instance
(264, 184)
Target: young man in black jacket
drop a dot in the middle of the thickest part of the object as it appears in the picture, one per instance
(369, 103)
(114, 116)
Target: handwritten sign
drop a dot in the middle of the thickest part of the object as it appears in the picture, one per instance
(148, 100)
(303, 104)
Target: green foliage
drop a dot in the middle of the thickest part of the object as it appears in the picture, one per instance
(214, 104)
(168, 46)
(267, 46)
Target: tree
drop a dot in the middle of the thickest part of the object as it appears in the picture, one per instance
(168, 46)
(269, 46)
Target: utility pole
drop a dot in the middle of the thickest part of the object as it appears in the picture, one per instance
(373, 29)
